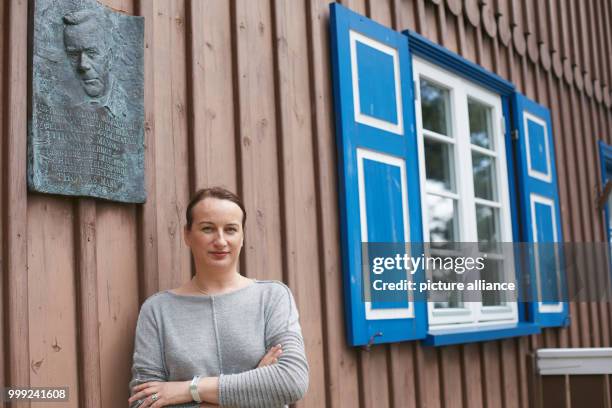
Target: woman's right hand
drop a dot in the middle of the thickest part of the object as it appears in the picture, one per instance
(271, 356)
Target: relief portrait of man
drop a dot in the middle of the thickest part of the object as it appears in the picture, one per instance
(89, 47)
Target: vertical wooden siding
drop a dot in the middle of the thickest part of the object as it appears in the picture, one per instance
(238, 93)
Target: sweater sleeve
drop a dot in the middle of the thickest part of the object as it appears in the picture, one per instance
(278, 384)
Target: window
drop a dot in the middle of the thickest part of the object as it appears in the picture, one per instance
(425, 154)
(464, 188)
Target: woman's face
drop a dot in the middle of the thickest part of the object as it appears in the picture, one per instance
(216, 235)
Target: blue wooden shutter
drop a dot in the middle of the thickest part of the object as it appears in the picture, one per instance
(540, 213)
(378, 168)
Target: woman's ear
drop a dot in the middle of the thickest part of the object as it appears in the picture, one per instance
(187, 236)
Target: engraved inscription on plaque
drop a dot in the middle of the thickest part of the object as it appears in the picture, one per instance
(86, 127)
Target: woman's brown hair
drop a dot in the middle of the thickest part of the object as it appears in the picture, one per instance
(213, 192)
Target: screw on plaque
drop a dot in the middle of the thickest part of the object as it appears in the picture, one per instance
(368, 346)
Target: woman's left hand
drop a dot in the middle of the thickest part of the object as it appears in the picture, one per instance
(158, 394)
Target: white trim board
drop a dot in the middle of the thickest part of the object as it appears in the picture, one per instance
(574, 361)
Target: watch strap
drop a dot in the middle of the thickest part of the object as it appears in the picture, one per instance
(193, 389)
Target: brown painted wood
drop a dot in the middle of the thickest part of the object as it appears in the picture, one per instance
(571, 227)
(373, 375)
(554, 391)
(90, 392)
(509, 374)
(431, 23)
(487, 51)
(451, 380)
(593, 26)
(503, 27)
(462, 49)
(520, 45)
(4, 344)
(452, 31)
(171, 144)
(583, 42)
(608, 391)
(116, 248)
(441, 24)
(51, 292)
(502, 12)
(405, 15)
(607, 54)
(117, 285)
(212, 95)
(566, 46)
(400, 360)
(491, 373)
(525, 380)
(258, 150)
(148, 271)
(340, 361)
(472, 11)
(380, 11)
(588, 390)
(294, 130)
(531, 34)
(471, 375)
(420, 16)
(554, 28)
(15, 221)
(428, 379)
(488, 20)
(455, 6)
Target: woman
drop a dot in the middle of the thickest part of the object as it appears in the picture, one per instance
(204, 341)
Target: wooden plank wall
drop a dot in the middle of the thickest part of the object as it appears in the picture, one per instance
(238, 93)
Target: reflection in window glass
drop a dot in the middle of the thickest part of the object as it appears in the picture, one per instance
(483, 168)
(439, 164)
(480, 124)
(434, 107)
(493, 272)
(487, 224)
(442, 219)
(446, 299)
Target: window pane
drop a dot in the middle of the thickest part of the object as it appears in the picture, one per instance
(483, 167)
(446, 299)
(442, 219)
(492, 273)
(480, 124)
(487, 224)
(439, 165)
(434, 108)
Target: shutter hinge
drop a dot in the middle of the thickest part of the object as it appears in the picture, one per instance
(515, 134)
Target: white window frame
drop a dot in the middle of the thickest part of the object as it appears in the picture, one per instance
(474, 314)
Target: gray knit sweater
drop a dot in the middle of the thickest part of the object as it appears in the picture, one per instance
(180, 336)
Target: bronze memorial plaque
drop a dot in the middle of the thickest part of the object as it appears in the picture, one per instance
(86, 119)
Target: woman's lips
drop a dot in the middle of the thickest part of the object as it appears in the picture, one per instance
(219, 255)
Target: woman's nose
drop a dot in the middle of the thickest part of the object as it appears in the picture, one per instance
(220, 239)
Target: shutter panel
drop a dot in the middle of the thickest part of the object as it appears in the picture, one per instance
(378, 169)
(540, 213)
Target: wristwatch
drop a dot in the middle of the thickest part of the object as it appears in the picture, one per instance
(193, 388)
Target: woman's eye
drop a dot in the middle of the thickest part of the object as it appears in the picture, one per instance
(207, 229)
(232, 230)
